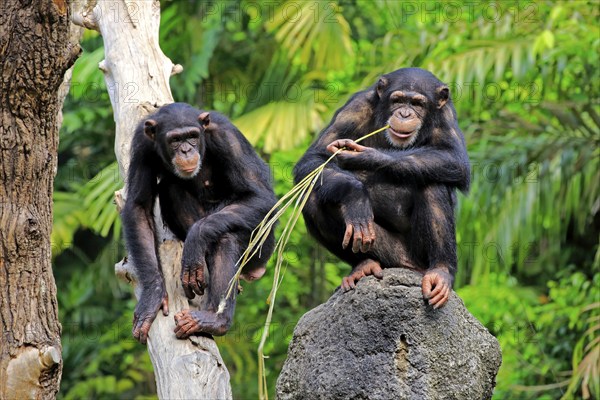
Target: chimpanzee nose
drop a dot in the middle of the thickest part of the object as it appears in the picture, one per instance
(404, 112)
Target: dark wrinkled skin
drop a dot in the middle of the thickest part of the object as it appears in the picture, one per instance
(389, 200)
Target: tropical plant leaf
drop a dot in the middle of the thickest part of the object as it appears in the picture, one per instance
(316, 32)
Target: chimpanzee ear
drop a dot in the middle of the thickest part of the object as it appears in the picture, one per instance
(150, 128)
(381, 86)
(204, 119)
(443, 94)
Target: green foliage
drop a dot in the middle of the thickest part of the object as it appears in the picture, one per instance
(313, 34)
(112, 364)
(586, 356)
(538, 334)
(525, 83)
(96, 212)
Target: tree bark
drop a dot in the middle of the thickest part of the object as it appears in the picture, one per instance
(137, 76)
(37, 47)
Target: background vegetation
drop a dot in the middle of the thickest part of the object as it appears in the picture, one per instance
(525, 81)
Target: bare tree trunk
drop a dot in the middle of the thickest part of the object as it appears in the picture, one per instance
(137, 75)
(36, 49)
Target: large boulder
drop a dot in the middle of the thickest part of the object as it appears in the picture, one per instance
(382, 341)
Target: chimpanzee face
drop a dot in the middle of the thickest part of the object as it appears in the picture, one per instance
(179, 142)
(409, 106)
(182, 146)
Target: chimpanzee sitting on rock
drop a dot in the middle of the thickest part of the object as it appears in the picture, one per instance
(389, 202)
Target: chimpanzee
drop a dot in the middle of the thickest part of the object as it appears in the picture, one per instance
(213, 190)
(389, 201)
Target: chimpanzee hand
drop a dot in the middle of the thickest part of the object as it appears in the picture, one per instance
(153, 298)
(193, 263)
(436, 286)
(360, 228)
(353, 156)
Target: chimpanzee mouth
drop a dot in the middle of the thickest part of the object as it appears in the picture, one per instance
(189, 171)
(401, 135)
(403, 128)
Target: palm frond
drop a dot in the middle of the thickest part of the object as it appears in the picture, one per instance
(67, 220)
(316, 32)
(281, 125)
(586, 358)
(99, 208)
(518, 188)
(96, 212)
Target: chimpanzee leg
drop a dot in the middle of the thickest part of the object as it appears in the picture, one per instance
(433, 240)
(433, 236)
(326, 224)
(388, 251)
(217, 317)
(256, 267)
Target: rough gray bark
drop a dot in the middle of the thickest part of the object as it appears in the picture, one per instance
(380, 341)
(137, 75)
(36, 49)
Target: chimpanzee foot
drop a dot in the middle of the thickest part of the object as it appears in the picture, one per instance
(189, 322)
(365, 268)
(253, 274)
(436, 286)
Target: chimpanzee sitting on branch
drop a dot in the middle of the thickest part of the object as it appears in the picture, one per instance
(213, 190)
(389, 202)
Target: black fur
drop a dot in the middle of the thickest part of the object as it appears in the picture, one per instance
(408, 193)
(214, 212)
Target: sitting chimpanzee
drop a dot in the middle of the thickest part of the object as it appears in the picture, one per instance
(390, 202)
(213, 190)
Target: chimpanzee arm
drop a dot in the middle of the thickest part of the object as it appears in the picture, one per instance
(247, 179)
(352, 121)
(433, 217)
(335, 184)
(340, 187)
(420, 166)
(138, 228)
(441, 159)
(246, 176)
(425, 165)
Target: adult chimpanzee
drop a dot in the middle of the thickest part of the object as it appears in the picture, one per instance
(213, 190)
(390, 202)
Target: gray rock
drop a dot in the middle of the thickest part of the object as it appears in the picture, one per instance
(381, 341)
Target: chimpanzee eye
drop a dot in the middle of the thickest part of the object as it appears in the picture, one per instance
(175, 143)
(418, 101)
(193, 141)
